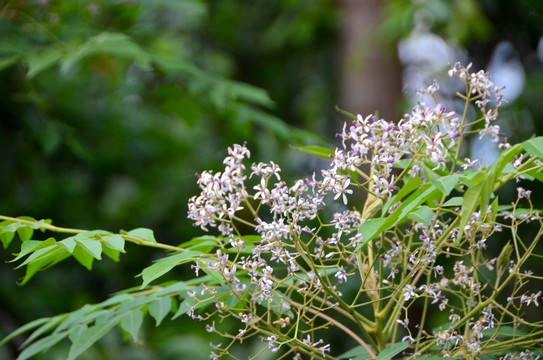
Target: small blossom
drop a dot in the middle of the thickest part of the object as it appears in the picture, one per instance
(522, 193)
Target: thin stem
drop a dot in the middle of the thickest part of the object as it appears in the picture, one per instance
(38, 225)
(339, 325)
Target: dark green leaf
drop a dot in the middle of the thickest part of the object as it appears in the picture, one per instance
(504, 331)
(8, 61)
(392, 351)
(358, 352)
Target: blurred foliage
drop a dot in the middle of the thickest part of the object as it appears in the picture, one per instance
(476, 28)
(109, 108)
(462, 20)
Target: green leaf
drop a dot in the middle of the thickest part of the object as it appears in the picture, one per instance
(117, 299)
(25, 233)
(6, 238)
(318, 151)
(422, 215)
(455, 201)
(23, 329)
(414, 200)
(146, 234)
(473, 178)
(41, 254)
(182, 310)
(533, 174)
(115, 44)
(204, 243)
(471, 200)
(8, 61)
(54, 321)
(357, 353)
(131, 323)
(216, 275)
(75, 317)
(75, 332)
(503, 331)
(445, 184)
(534, 146)
(42, 345)
(369, 229)
(392, 351)
(83, 257)
(86, 338)
(499, 166)
(68, 244)
(93, 247)
(112, 254)
(40, 61)
(412, 184)
(174, 289)
(32, 245)
(47, 260)
(115, 242)
(135, 302)
(494, 210)
(164, 265)
(159, 308)
(270, 122)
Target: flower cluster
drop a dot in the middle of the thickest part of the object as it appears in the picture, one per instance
(301, 271)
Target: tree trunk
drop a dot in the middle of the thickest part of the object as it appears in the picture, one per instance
(370, 75)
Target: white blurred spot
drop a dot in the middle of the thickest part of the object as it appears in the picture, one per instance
(540, 49)
(484, 149)
(506, 70)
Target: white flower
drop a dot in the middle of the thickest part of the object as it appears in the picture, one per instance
(341, 275)
(523, 193)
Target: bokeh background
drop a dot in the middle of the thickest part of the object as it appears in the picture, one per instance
(108, 108)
